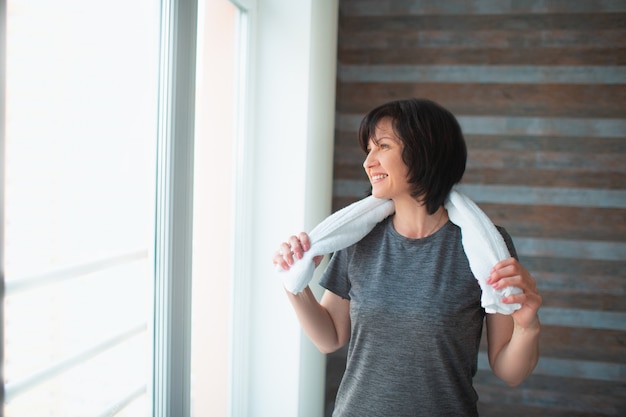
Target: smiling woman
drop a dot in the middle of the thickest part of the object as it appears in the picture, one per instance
(414, 275)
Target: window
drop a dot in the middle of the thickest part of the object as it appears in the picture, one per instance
(98, 197)
(81, 99)
(92, 240)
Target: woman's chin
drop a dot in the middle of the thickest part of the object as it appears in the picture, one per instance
(378, 194)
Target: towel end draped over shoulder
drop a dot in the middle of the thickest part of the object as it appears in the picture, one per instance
(482, 242)
(484, 247)
(340, 230)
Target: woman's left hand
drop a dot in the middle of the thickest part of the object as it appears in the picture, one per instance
(510, 273)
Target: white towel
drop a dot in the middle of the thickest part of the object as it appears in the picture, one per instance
(483, 244)
(340, 230)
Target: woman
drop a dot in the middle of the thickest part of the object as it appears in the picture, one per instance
(404, 296)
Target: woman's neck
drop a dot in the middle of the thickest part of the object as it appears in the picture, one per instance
(413, 221)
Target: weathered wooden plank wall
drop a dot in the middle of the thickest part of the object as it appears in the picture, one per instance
(539, 87)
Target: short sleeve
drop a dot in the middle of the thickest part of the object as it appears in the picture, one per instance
(335, 278)
(509, 242)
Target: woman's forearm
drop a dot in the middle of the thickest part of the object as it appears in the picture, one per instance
(517, 359)
(316, 321)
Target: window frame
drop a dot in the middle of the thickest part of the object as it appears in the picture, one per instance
(174, 210)
(243, 195)
(3, 54)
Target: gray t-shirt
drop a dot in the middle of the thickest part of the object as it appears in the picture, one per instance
(416, 324)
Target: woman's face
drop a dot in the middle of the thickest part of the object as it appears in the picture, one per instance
(384, 165)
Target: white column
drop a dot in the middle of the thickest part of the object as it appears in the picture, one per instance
(294, 66)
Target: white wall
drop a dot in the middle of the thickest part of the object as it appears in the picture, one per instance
(293, 87)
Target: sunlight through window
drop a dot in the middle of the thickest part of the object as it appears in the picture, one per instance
(80, 151)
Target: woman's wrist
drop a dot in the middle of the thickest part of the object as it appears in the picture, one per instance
(534, 327)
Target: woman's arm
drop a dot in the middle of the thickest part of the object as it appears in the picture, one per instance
(513, 341)
(513, 350)
(326, 323)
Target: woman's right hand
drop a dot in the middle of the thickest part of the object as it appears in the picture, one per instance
(292, 250)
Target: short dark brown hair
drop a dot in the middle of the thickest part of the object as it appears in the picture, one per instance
(434, 147)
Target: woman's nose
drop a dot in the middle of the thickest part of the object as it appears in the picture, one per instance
(370, 160)
(366, 161)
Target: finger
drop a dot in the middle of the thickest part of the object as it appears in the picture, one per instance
(529, 283)
(296, 247)
(515, 299)
(530, 300)
(305, 241)
(287, 253)
(506, 268)
(523, 282)
(279, 261)
(504, 263)
(518, 278)
(502, 272)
